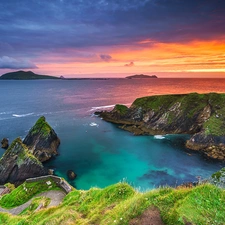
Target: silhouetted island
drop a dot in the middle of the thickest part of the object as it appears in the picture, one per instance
(25, 75)
(141, 76)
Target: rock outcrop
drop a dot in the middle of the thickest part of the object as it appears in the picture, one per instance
(200, 115)
(42, 141)
(17, 164)
(5, 143)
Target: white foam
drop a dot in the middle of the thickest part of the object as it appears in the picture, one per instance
(102, 107)
(22, 115)
(106, 107)
(159, 137)
(93, 124)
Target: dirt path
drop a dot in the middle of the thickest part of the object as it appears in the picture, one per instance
(149, 217)
(55, 196)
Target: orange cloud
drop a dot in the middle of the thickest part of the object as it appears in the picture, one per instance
(150, 57)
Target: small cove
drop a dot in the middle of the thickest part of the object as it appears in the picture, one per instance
(100, 153)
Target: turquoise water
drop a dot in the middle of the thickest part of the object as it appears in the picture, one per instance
(99, 152)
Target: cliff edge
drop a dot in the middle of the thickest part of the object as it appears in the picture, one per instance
(200, 115)
(17, 164)
(42, 141)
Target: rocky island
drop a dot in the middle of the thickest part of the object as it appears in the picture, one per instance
(200, 115)
(141, 76)
(25, 75)
(23, 160)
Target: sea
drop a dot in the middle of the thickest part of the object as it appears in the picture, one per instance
(99, 152)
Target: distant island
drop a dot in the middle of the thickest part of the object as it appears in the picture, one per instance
(25, 75)
(141, 76)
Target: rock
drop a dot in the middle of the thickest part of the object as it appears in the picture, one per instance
(5, 143)
(17, 164)
(42, 141)
(194, 114)
(71, 175)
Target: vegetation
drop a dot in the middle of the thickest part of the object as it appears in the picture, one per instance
(41, 126)
(119, 203)
(122, 109)
(25, 192)
(21, 151)
(23, 75)
(39, 201)
(190, 105)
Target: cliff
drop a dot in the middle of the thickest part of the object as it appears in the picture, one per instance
(200, 115)
(24, 75)
(42, 141)
(17, 164)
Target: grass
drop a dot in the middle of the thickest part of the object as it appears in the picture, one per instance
(25, 192)
(119, 203)
(41, 126)
(17, 148)
(122, 109)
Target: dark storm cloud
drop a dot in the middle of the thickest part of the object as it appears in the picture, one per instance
(106, 58)
(32, 27)
(129, 64)
(12, 63)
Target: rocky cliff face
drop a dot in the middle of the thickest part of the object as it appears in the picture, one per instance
(17, 164)
(200, 115)
(42, 141)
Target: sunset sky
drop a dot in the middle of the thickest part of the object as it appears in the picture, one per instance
(113, 38)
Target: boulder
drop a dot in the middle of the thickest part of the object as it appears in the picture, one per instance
(71, 175)
(17, 164)
(42, 141)
(5, 143)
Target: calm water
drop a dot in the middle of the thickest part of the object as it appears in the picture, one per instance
(99, 152)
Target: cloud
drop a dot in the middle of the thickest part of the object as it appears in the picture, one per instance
(129, 64)
(12, 63)
(105, 57)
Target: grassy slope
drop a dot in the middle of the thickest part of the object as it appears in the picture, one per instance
(191, 104)
(119, 203)
(22, 155)
(41, 126)
(23, 75)
(25, 192)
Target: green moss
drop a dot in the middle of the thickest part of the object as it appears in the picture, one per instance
(119, 203)
(42, 127)
(122, 109)
(217, 175)
(25, 192)
(18, 148)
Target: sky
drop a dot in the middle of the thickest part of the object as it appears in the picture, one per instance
(113, 38)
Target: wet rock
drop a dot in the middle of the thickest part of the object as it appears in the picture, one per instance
(42, 141)
(71, 175)
(17, 164)
(5, 143)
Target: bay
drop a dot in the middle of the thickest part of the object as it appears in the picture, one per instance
(99, 152)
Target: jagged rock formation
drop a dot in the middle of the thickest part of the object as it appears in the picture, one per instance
(201, 115)
(42, 141)
(17, 164)
(5, 143)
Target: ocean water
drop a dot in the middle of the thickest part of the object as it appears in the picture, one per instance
(97, 151)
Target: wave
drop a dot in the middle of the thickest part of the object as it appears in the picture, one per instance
(93, 124)
(101, 107)
(106, 106)
(159, 137)
(22, 115)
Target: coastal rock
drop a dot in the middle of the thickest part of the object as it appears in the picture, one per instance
(200, 115)
(5, 143)
(42, 141)
(17, 164)
(71, 175)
